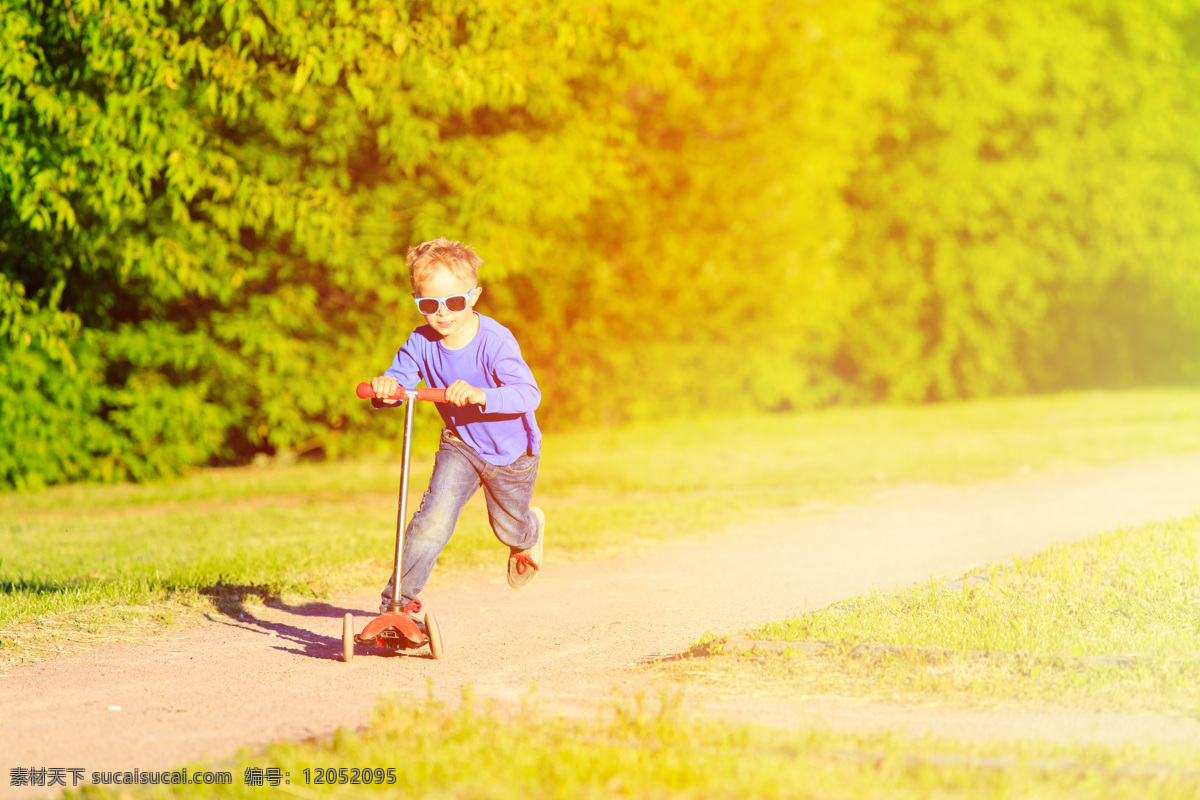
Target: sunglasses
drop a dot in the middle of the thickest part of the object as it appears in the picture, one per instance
(430, 306)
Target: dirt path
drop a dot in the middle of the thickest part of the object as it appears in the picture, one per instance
(576, 633)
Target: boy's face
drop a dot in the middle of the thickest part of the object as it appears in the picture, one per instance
(443, 283)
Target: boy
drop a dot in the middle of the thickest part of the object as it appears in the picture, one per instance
(491, 436)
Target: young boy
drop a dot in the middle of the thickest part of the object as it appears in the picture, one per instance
(491, 436)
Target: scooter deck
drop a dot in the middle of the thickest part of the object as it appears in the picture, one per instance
(392, 629)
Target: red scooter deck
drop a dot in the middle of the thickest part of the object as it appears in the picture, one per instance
(393, 629)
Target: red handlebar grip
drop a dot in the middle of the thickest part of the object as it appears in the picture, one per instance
(423, 393)
(432, 395)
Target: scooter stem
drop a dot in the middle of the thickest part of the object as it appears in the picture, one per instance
(410, 398)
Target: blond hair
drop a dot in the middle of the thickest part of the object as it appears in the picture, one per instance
(426, 258)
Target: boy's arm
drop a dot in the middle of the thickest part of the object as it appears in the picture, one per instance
(517, 391)
(404, 371)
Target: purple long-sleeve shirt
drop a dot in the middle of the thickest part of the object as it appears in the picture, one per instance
(492, 361)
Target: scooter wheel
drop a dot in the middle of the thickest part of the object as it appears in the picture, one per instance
(348, 638)
(434, 634)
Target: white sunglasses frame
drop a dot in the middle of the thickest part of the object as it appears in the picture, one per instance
(441, 301)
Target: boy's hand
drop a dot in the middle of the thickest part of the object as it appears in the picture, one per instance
(387, 390)
(461, 393)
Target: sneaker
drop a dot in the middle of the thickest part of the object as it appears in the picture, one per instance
(385, 597)
(524, 565)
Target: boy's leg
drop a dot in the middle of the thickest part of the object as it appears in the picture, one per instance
(455, 479)
(508, 491)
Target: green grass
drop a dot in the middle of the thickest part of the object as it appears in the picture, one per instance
(1041, 629)
(89, 560)
(653, 750)
(110, 557)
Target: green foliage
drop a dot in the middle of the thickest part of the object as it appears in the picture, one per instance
(1026, 218)
(204, 208)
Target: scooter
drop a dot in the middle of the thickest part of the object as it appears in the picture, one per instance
(394, 629)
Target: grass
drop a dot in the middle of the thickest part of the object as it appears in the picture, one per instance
(114, 558)
(89, 561)
(653, 750)
(1111, 622)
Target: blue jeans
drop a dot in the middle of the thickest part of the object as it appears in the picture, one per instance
(458, 471)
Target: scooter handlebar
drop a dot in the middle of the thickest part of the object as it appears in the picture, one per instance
(422, 393)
